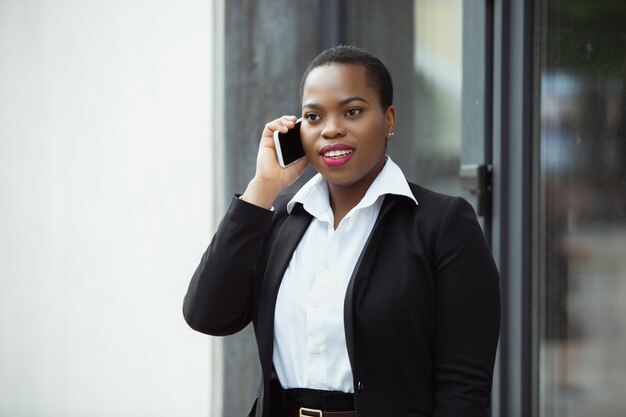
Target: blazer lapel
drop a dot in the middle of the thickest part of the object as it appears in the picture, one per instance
(285, 244)
(362, 271)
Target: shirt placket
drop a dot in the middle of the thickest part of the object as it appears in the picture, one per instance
(317, 323)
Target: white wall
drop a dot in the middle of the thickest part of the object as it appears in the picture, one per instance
(105, 205)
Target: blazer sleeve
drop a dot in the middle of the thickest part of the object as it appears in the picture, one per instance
(468, 315)
(219, 299)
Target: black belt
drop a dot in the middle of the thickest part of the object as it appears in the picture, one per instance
(302, 402)
(311, 412)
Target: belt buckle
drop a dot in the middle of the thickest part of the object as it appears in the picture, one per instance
(314, 412)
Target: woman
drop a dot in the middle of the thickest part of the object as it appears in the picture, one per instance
(369, 295)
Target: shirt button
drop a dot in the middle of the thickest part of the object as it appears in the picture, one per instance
(316, 349)
(359, 386)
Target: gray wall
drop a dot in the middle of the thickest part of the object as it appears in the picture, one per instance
(268, 44)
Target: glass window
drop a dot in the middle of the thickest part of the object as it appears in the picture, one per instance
(438, 75)
(582, 209)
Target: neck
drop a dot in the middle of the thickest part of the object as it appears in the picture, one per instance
(341, 202)
(344, 198)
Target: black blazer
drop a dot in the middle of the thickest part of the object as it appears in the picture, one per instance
(421, 313)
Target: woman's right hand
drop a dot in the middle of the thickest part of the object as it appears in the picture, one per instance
(270, 178)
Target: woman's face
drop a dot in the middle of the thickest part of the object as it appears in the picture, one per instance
(344, 127)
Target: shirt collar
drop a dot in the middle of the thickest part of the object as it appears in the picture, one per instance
(314, 194)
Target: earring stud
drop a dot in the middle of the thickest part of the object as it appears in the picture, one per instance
(390, 134)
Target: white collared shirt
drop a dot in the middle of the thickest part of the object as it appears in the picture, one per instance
(310, 348)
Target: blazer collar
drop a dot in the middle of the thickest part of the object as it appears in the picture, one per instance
(362, 272)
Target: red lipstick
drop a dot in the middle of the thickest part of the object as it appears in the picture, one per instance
(336, 155)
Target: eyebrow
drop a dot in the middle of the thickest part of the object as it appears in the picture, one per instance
(341, 103)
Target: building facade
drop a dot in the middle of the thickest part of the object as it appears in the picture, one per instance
(517, 105)
(126, 126)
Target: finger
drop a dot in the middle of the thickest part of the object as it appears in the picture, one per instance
(301, 164)
(286, 122)
(268, 131)
(292, 119)
(282, 124)
(289, 118)
(273, 126)
(297, 168)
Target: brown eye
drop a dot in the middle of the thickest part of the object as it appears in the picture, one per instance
(353, 112)
(312, 117)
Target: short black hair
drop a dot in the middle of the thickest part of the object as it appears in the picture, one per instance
(375, 71)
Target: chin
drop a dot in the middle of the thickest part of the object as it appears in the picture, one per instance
(341, 180)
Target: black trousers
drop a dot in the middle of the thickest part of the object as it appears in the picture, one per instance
(277, 406)
(317, 399)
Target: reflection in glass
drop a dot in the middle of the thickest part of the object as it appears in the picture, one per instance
(438, 75)
(582, 210)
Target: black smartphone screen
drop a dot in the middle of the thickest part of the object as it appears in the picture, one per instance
(291, 145)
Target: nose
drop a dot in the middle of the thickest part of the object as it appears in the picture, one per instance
(333, 128)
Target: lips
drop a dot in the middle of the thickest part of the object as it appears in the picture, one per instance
(336, 155)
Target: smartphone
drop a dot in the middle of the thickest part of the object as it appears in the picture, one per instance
(288, 145)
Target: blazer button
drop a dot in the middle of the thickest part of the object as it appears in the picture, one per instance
(359, 386)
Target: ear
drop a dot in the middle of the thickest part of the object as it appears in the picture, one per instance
(390, 118)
